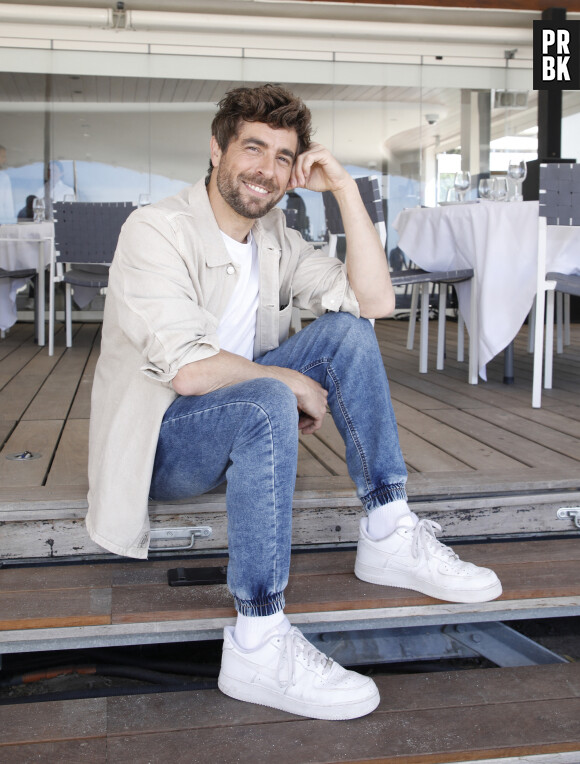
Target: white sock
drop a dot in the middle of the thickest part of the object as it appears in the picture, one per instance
(250, 631)
(383, 520)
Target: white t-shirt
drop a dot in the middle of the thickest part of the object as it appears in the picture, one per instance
(237, 327)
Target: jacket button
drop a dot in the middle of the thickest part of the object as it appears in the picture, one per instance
(230, 269)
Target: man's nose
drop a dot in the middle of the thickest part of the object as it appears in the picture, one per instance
(267, 165)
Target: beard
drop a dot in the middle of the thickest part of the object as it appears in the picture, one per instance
(251, 207)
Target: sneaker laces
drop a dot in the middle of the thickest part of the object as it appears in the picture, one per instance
(424, 535)
(296, 645)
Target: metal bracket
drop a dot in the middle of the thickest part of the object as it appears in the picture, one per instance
(175, 534)
(572, 512)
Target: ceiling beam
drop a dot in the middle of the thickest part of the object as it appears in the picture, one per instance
(572, 6)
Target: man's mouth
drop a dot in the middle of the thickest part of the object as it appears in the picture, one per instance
(263, 191)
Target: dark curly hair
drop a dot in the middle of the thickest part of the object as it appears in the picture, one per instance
(272, 104)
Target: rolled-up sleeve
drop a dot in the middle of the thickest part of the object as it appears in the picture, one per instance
(160, 301)
(320, 283)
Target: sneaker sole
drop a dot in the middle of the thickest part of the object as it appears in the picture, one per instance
(263, 696)
(401, 580)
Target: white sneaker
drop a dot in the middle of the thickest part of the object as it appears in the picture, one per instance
(289, 673)
(412, 558)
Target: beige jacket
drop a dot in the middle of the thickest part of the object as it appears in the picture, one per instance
(169, 283)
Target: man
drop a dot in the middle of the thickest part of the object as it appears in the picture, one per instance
(55, 189)
(6, 200)
(198, 383)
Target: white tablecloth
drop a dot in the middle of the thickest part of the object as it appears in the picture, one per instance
(499, 241)
(32, 250)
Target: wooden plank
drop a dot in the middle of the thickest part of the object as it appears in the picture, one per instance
(422, 456)
(419, 737)
(332, 463)
(70, 465)
(167, 712)
(54, 399)
(44, 609)
(20, 334)
(512, 445)
(462, 443)
(308, 465)
(22, 388)
(556, 440)
(58, 578)
(91, 751)
(52, 721)
(37, 437)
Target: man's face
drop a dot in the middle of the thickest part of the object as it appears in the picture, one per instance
(2, 158)
(253, 173)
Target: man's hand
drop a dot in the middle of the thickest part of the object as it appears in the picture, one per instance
(310, 396)
(317, 170)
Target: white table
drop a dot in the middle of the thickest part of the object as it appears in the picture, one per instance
(499, 240)
(24, 246)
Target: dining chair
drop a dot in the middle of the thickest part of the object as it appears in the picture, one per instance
(85, 235)
(559, 204)
(419, 280)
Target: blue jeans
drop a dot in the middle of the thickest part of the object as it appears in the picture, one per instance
(247, 435)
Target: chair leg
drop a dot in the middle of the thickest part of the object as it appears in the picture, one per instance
(51, 310)
(413, 316)
(68, 315)
(441, 327)
(424, 340)
(460, 338)
(549, 350)
(473, 374)
(531, 327)
(566, 319)
(559, 322)
(538, 349)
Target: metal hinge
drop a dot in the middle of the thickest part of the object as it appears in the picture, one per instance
(572, 512)
(176, 534)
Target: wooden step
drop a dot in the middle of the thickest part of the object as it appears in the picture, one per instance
(130, 602)
(473, 715)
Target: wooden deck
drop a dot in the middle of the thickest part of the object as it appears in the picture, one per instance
(481, 460)
(481, 715)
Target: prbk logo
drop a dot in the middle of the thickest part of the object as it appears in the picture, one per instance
(557, 55)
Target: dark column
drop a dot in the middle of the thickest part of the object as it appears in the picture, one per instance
(550, 106)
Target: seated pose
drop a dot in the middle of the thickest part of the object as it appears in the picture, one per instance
(198, 383)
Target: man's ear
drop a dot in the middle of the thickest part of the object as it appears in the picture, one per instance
(215, 151)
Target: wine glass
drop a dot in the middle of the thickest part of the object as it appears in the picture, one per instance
(500, 188)
(517, 171)
(462, 183)
(486, 188)
(38, 209)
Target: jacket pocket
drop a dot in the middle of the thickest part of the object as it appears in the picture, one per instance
(284, 320)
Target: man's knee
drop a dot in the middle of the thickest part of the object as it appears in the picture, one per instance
(358, 332)
(272, 399)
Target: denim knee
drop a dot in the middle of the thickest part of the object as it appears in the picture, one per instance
(275, 399)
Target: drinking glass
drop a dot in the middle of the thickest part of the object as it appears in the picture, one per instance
(38, 209)
(500, 189)
(144, 200)
(462, 183)
(486, 188)
(517, 171)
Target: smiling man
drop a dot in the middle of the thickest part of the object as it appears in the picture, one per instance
(199, 383)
